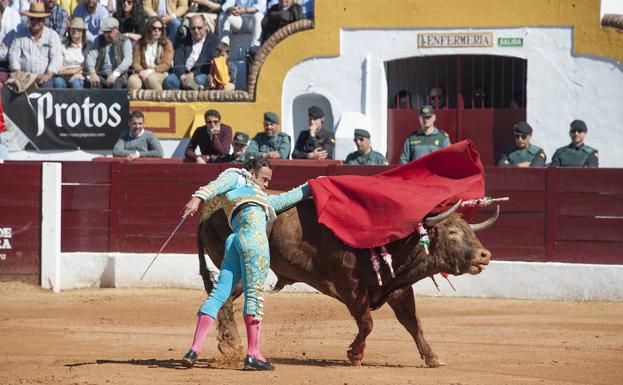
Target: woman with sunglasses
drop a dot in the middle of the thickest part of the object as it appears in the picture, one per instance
(131, 18)
(152, 57)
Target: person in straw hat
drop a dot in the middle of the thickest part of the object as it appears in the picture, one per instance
(74, 51)
(36, 49)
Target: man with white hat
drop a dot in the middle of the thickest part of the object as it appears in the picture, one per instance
(109, 58)
(36, 49)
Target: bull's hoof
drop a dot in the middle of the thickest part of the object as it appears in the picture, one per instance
(354, 358)
(434, 362)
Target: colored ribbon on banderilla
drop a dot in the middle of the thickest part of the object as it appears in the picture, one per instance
(482, 202)
(376, 263)
(163, 246)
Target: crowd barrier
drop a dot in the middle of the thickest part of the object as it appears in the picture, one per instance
(554, 214)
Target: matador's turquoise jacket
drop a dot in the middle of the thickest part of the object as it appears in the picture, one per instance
(247, 255)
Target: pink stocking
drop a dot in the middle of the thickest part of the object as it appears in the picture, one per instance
(204, 322)
(253, 336)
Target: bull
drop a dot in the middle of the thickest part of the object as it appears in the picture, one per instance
(302, 250)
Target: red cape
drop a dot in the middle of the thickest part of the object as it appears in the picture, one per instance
(369, 211)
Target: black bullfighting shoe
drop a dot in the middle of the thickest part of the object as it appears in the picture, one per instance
(252, 363)
(189, 359)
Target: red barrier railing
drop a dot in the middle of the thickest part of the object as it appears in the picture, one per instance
(555, 214)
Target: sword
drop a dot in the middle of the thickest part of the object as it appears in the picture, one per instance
(165, 243)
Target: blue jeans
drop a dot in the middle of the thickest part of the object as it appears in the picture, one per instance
(173, 82)
(60, 82)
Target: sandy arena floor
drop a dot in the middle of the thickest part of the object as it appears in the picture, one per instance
(137, 336)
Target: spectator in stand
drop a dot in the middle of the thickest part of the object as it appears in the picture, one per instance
(364, 155)
(138, 142)
(213, 139)
(272, 143)
(316, 142)
(153, 55)
(110, 5)
(9, 21)
(69, 5)
(242, 16)
(19, 6)
(479, 98)
(58, 19)
(92, 13)
(279, 15)
(576, 154)
(403, 99)
(523, 153)
(437, 97)
(74, 51)
(36, 48)
(170, 11)
(425, 140)
(109, 58)
(131, 18)
(239, 144)
(209, 9)
(220, 71)
(191, 61)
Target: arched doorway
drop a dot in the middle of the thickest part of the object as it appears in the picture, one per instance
(477, 97)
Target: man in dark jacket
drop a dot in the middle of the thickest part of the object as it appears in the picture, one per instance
(279, 15)
(315, 142)
(191, 62)
(213, 139)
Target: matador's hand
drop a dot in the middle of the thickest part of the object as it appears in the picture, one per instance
(191, 207)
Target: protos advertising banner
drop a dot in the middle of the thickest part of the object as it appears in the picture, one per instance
(55, 119)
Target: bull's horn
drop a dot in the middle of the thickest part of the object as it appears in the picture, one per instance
(432, 221)
(481, 226)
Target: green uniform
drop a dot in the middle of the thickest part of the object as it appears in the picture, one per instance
(571, 156)
(418, 144)
(371, 158)
(262, 144)
(515, 155)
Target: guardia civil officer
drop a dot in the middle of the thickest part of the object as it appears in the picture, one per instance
(364, 155)
(576, 154)
(272, 143)
(523, 153)
(425, 140)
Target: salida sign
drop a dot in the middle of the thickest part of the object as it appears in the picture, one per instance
(68, 119)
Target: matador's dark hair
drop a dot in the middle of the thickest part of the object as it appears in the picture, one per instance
(256, 164)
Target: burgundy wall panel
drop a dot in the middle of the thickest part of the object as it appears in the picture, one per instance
(590, 204)
(589, 252)
(20, 220)
(86, 172)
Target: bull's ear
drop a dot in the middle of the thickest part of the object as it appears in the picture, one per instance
(432, 221)
(483, 225)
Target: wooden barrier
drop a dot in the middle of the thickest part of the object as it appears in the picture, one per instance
(120, 207)
(20, 221)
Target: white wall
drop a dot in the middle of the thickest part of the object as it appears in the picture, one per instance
(611, 6)
(561, 86)
(501, 279)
